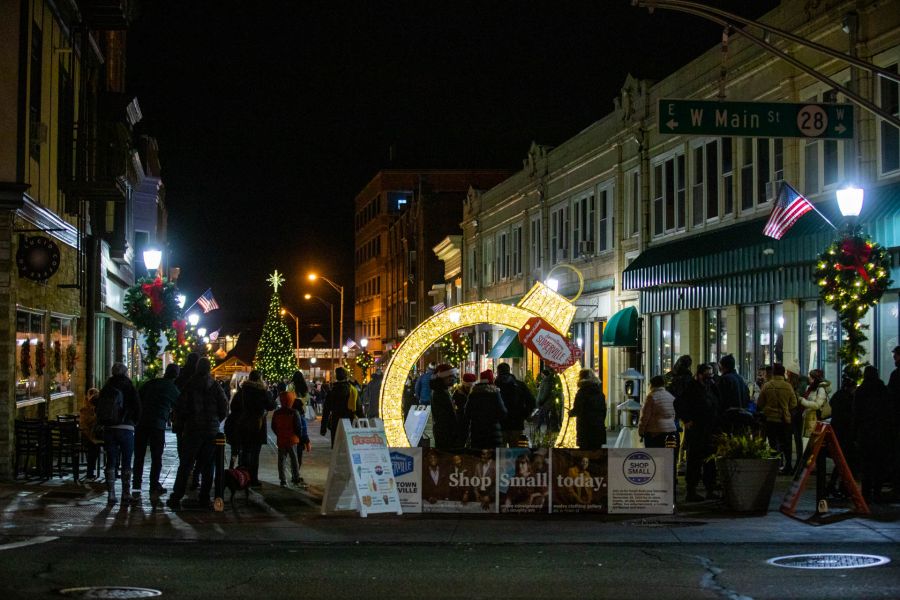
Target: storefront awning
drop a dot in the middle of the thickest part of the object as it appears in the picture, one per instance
(737, 264)
(508, 346)
(621, 329)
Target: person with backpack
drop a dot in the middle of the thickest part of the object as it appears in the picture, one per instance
(201, 407)
(290, 431)
(252, 402)
(519, 404)
(118, 410)
(341, 403)
(158, 397)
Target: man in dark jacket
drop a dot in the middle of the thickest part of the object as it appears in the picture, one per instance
(201, 407)
(338, 404)
(158, 397)
(733, 392)
(443, 415)
(252, 402)
(118, 439)
(697, 407)
(589, 410)
(894, 397)
(519, 403)
(484, 413)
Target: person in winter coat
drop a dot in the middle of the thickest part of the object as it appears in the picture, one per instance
(460, 398)
(696, 407)
(290, 431)
(589, 408)
(872, 420)
(814, 399)
(732, 389)
(158, 397)
(545, 415)
(894, 396)
(484, 413)
(187, 371)
(518, 401)
(341, 403)
(657, 421)
(118, 439)
(842, 425)
(201, 407)
(775, 402)
(87, 419)
(373, 391)
(252, 402)
(443, 414)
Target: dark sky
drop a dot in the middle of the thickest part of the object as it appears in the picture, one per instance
(271, 116)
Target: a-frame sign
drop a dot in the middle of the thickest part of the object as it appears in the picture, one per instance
(822, 436)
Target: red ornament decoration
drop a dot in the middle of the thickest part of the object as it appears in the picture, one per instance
(179, 326)
(154, 291)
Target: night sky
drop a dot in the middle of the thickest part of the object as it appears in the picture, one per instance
(271, 116)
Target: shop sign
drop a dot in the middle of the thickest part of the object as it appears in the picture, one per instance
(544, 340)
(38, 257)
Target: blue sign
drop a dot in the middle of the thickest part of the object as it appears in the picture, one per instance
(639, 468)
(401, 464)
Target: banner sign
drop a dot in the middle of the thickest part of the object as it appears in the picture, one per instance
(463, 481)
(543, 339)
(580, 481)
(523, 482)
(641, 480)
(407, 466)
(361, 475)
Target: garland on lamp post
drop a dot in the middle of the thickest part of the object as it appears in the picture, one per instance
(853, 274)
(152, 305)
(455, 348)
(365, 361)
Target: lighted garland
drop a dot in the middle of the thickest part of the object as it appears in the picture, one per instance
(455, 348)
(365, 361)
(152, 305)
(853, 274)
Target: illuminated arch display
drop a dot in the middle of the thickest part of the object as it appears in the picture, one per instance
(540, 301)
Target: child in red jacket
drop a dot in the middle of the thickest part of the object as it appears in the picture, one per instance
(290, 429)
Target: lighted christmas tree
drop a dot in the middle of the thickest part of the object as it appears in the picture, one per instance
(275, 352)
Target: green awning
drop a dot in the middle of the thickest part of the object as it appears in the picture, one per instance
(508, 346)
(621, 329)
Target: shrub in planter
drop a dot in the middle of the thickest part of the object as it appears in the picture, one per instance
(747, 466)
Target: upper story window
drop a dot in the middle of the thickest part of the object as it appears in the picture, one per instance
(398, 201)
(487, 257)
(712, 181)
(534, 240)
(502, 257)
(559, 233)
(516, 251)
(888, 135)
(583, 224)
(633, 203)
(823, 160)
(669, 195)
(761, 169)
(473, 267)
(605, 230)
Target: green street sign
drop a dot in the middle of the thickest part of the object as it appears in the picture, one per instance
(756, 119)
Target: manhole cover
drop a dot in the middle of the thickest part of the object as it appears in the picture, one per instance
(110, 592)
(829, 561)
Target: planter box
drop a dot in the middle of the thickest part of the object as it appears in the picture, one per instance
(748, 482)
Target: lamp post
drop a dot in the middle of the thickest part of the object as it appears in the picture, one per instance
(364, 343)
(340, 290)
(331, 325)
(284, 312)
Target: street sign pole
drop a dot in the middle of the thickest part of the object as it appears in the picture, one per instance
(756, 119)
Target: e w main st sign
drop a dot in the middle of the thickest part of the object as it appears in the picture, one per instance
(756, 119)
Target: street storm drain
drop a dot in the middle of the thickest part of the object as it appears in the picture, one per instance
(829, 561)
(110, 591)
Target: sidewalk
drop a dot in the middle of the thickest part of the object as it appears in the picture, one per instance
(60, 507)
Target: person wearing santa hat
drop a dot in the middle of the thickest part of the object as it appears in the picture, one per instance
(484, 413)
(443, 415)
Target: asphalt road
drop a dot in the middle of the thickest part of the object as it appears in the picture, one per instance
(201, 569)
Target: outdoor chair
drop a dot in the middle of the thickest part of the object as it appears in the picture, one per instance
(65, 444)
(32, 448)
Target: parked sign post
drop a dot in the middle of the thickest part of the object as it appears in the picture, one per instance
(756, 119)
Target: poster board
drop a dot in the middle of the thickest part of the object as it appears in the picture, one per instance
(641, 480)
(361, 475)
(418, 422)
(580, 481)
(822, 437)
(459, 481)
(523, 480)
(407, 466)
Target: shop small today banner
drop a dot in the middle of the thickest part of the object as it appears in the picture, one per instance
(519, 480)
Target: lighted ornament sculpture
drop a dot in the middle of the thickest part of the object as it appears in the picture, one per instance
(540, 301)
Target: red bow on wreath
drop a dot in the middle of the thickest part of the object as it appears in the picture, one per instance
(154, 292)
(179, 326)
(856, 254)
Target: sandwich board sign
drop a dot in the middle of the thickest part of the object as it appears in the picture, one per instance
(360, 476)
(418, 422)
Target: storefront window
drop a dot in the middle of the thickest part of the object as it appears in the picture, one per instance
(30, 355)
(716, 335)
(763, 329)
(888, 332)
(821, 340)
(62, 354)
(665, 343)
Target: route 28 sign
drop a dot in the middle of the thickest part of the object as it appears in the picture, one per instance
(37, 258)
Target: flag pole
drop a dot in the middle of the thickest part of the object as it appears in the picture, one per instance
(208, 289)
(824, 218)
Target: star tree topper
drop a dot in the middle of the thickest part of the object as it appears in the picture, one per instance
(275, 280)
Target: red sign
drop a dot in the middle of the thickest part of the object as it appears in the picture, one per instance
(544, 340)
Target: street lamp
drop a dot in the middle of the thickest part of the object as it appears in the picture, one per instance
(284, 312)
(331, 325)
(152, 259)
(850, 200)
(201, 331)
(193, 319)
(340, 290)
(366, 357)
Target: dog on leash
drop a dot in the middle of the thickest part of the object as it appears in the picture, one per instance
(237, 479)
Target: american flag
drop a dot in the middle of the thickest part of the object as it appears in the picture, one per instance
(789, 206)
(350, 343)
(207, 302)
(438, 307)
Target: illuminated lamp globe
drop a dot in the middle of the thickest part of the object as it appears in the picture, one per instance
(152, 258)
(312, 360)
(193, 319)
(364, 342)
(850, 200)
(552, 283)
(201, 331)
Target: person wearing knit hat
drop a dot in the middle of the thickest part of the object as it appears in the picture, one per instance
(443, 415)
(460, 398)
(469, 378)
(483, 413)
(445, 370)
